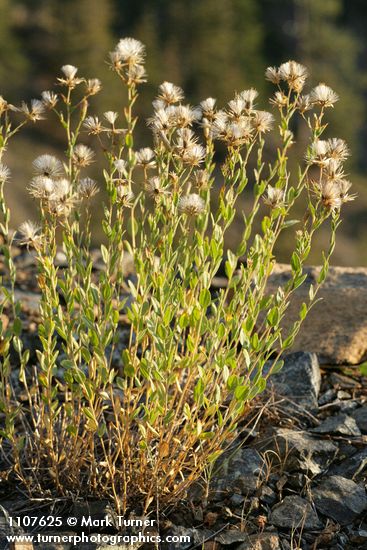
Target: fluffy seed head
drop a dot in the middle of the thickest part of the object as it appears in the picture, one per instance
(323, 95)
(294, 74)
(183, 115)
(193, 155)
(69, 71)
(29, 233)
(249, 96)
(191, 204)
(136, 74)
(34, 112)
(69, 79)
(274, 196)
(279, 99)
(125, 196)
(120, 166)
(338, 149)
(82, 155)
(4, 173)
(155, 189)
(304, 103)
(201, 179)
(42, 187)
(130, 50)
(272, 74)
(111, 116)
(207, 107)
(61, 189)
(47, 165)
(170, 93)
(87, 188)
(329, 192)
(94, 86)
(262, 121)
(93, 125)
(145, 157)
(49, 99)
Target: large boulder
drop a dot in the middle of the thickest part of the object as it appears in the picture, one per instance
(336, 327)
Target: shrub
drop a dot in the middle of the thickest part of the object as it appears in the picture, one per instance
(139, 424)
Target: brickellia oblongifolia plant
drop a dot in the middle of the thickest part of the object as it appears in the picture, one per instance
(142, 428)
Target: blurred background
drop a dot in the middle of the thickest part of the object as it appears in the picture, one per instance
(210, 48)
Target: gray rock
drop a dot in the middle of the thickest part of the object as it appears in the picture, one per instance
(294, 512)
(302, 452)
(340, 499)
(261, 541)
(360, 416)
(343, 310)
(267, 495)
(298, 380)
(230, 537)
(327, 397)
(237, 470)
(340, 424)
(351, 466)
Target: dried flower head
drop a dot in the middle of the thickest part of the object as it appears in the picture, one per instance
(238, 133)
(183, 115)
(207, 107)
(4, 173)
(145, 157)
(82, 155)
(304, 103)
(185, 139)
(125, 196)
(272, 74)
(94, 86)
(191, 204)
(237, 107)
(318, 153)
(262, 121)
(344, 186)
(93, 125)
(323, 95)
(170, 93)
(193, 155)
(294, 74)
(201, 179)
(337, 149)
(136, 74)
(155, 188)
(329, 193)
(333, 169)
(35, 111)
(29, 234)
(49, 99)
(121, 166)
(111, 116)
(131, 51)
(161, 121)
(87, 188)
(42, 187)
(274, 197)
(249, 96)
(279, 99)
(69, 79)
(5, 106)
(62, 188)
(47, 165)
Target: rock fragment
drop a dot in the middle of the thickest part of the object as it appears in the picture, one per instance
(340, 498)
